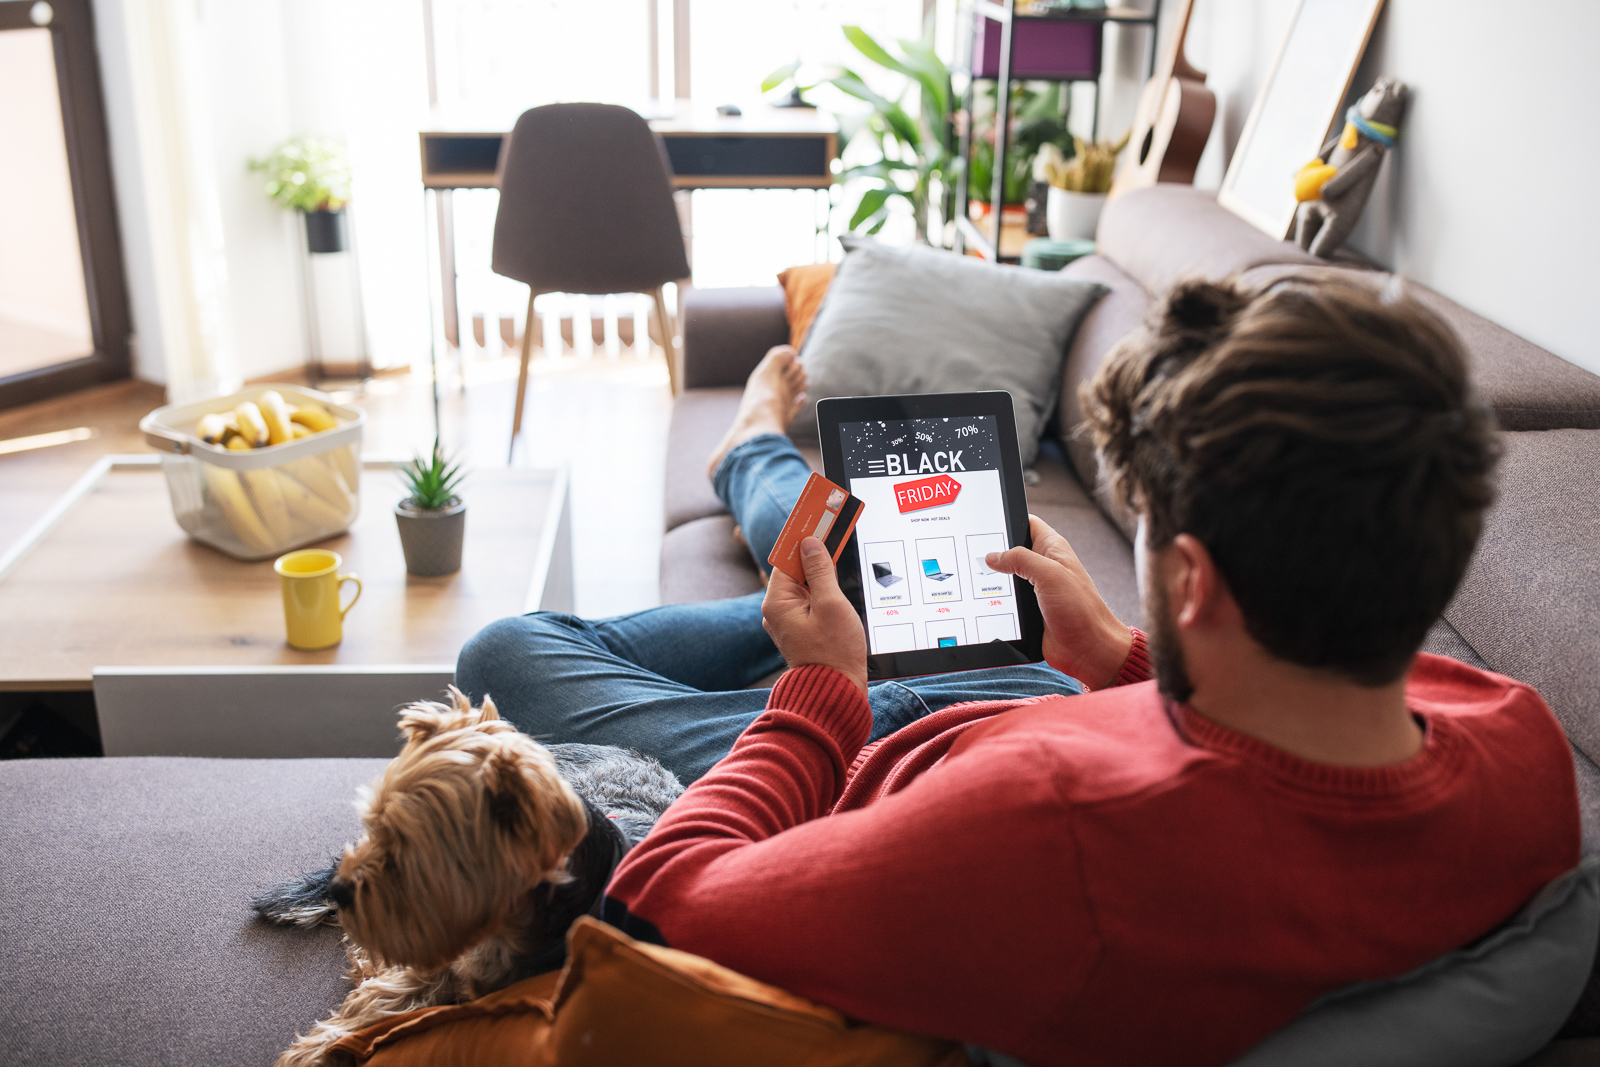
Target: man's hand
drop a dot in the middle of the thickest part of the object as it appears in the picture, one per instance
(1082, 637)
(814, 624)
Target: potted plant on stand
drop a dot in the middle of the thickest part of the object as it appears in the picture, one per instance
(432, 517)
(1078, 186)
(311, 176)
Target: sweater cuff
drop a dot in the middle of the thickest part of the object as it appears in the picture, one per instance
(1136, 668)
(830, 700)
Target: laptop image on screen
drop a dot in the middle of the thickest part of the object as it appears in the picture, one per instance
(930, 567)
(884, 575)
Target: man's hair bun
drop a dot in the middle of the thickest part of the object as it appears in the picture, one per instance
(1201, 306)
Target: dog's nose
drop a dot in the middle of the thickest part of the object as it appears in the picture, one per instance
(342, 892)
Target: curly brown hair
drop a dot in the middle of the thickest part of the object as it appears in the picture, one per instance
(1323, 441)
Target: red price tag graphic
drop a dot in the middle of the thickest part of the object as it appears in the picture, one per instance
(926, 493)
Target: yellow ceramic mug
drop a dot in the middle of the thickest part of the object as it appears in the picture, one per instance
(311, 584)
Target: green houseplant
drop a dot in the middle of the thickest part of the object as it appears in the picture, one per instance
(432, 517)
(311, 176)
(913, 151)
(1038, 118)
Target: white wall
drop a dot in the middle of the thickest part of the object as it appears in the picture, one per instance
(1486, 197)
(252, 76)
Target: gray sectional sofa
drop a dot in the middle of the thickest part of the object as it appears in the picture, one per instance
(1530, 604)
(124, 933)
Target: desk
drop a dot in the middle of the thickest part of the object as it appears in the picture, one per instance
(765, 148)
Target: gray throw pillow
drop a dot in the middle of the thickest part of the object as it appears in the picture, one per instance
(920, 320)
(1492, 1004)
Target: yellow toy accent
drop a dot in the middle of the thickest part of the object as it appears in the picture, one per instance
(1349, 141)
(1310, 179)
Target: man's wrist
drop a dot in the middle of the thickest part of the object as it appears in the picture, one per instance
(1111, 652)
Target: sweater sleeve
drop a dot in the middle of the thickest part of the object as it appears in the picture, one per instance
(1136, 668)
(864, 910)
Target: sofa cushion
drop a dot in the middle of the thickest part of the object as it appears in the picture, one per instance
(128, 933)
(700, 560)
(620, 1001)
(803, 290)
(727, 331)
(1529, 388)
(921, 320)
(1166, 232)
(1120, 312)
(699, 419)
(1530, 602)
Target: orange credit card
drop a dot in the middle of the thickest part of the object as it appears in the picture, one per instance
(823, 511)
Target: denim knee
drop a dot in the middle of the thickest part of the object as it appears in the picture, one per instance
(514, 644)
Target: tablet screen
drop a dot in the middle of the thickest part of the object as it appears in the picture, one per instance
(935, 507)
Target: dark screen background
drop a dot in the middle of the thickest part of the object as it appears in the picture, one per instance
(864, 442)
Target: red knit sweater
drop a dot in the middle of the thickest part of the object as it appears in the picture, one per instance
(1101, 879)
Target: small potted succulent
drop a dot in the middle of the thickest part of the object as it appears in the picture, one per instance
(1078, 186)
(432, 517)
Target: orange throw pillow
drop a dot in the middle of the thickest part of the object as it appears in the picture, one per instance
(621, 1001)
(803, 290)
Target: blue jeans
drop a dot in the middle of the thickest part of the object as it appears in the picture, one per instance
(671, 681)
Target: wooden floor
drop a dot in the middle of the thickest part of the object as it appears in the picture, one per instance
(606, 417)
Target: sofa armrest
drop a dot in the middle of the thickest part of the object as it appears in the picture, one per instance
(727, 331)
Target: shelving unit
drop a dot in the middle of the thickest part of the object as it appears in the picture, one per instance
(1005, 13)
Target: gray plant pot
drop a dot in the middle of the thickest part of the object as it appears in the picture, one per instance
(431, 540)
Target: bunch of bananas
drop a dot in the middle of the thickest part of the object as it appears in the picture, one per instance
(298, 500)
(271, 422)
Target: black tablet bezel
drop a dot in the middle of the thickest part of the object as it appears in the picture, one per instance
(997, 403)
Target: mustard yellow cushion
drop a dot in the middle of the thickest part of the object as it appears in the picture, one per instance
(619, 1001)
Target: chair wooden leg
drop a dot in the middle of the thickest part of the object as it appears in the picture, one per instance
(668, 344)
(522, 379)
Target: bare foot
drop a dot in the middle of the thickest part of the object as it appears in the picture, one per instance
(772, 398)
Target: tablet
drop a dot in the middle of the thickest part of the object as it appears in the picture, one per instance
(940, 478)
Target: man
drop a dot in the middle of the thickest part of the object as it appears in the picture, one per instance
(1158, 872)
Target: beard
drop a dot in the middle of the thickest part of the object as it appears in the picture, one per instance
(1166, 652)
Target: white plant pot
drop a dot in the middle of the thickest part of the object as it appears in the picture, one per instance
(1069, 215)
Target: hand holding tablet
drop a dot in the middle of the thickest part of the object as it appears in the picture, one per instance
(939, 477)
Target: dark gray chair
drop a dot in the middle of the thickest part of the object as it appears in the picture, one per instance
(586, 207)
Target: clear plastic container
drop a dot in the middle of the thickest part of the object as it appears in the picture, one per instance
(260, 503)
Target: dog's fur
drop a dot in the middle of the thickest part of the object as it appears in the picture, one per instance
(481, 848)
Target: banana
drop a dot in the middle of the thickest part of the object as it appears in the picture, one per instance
(229, 495)
(276, 414)
(237, 443)
(298, 431)
(212, 429)
(344, 461)
(319, 478)
(309, 508)
(251, 425)
(268, 497)
(314, 419)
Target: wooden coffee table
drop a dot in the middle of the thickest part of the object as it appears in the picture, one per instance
(184, 647)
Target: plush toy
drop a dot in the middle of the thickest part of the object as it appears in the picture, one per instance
(1333, 188)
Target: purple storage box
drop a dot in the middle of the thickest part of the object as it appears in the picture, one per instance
(1039, 49)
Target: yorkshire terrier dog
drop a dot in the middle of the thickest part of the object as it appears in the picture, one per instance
(481, 847)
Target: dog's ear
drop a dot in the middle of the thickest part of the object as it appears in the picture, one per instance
(528, 801)
(425, 718)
